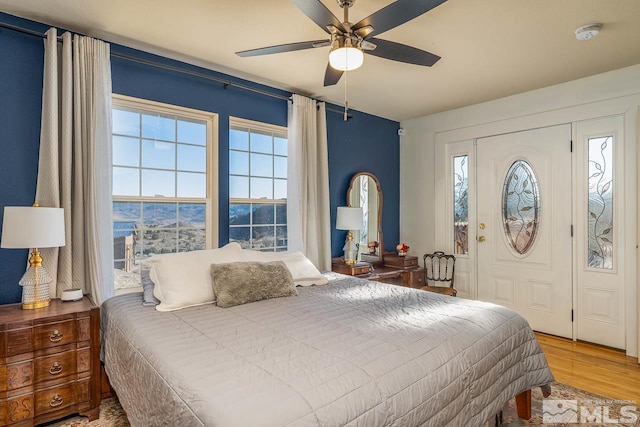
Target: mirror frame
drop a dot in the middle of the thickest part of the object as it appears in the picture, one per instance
(380, 204)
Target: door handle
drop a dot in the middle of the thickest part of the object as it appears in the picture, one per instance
(481, 239)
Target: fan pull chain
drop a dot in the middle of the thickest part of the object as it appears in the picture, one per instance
(346, 102)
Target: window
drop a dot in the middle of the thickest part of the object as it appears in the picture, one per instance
(600, 219)
(257, 185)
(521, 206)
(461, 204)
(163, 181)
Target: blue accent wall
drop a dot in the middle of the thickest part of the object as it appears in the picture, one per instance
(364, 143)
(21, 63)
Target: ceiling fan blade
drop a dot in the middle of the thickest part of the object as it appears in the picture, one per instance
(397, 13)
(332, 76)
(289, 47)
(323, 43)
(402, 53)
(319, 14)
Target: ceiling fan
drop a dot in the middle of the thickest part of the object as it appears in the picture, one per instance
(350, 41)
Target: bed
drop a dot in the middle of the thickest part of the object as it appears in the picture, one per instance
(350, 353)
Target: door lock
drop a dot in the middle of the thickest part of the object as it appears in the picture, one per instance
(481, 226)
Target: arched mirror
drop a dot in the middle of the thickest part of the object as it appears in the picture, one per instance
(365, 192)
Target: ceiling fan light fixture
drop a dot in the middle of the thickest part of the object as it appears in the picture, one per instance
(346, 58)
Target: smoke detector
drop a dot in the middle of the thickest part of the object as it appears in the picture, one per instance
(589, 31)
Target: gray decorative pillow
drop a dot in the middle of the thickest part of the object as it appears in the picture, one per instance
(147, 288)
(238, 283)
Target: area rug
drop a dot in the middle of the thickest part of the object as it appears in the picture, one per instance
(566, 406)
(570, 406)
(111, 415)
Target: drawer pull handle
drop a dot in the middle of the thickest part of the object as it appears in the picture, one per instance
(55, 369)
(55, 336)
(56, 401)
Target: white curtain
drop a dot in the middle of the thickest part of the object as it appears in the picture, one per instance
(308, 182)
(74, 170)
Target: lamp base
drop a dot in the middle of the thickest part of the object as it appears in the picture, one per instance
(35, 296)
(37, 304)
(35, 283)
(350, 252)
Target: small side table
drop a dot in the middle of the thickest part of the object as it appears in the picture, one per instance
(49, 362)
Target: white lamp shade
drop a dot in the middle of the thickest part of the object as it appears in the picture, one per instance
(349, 218)
(346, 58)
(32, 227)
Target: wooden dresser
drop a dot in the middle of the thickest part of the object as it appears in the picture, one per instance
(411, 276)
(49, 362)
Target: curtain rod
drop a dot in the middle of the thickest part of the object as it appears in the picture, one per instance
(225, 83)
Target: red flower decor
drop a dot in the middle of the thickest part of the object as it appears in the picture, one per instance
(402, 247)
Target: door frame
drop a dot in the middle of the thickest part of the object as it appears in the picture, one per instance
(589, 278)
(465, 280)
(626, 106)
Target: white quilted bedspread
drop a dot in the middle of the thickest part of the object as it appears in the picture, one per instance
(353, 352)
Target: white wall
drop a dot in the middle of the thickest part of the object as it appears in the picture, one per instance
(611, 93)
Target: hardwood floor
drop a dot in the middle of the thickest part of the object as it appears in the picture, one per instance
(601, 370)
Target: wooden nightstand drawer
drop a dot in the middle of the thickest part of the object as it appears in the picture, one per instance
(54, 399)
(57, 366)
(350, 269)
(55, 334)
(49, 362)
(400, 261)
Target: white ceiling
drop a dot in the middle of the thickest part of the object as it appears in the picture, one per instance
(489, 48)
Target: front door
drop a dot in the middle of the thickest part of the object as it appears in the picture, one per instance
(524, 243)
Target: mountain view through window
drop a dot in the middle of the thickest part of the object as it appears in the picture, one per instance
(258, 185)
(160, 185)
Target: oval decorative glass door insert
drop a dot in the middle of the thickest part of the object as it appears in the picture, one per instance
(521, 206)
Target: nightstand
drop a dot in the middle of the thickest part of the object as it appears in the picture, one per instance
(49, 362)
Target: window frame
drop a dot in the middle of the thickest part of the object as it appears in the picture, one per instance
(236, 123)
(211, 199)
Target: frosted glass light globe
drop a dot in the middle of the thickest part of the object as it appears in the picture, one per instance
(346, 58)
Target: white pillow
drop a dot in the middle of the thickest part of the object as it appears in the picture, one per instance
(183, 279)
(303, 271)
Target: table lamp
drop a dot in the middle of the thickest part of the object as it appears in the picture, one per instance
(33, 227)
(349, 218)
